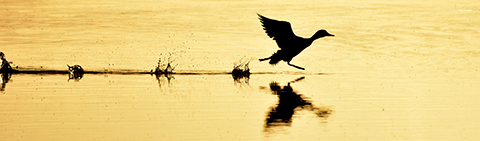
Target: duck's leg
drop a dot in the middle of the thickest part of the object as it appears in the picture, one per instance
(264, 59)
(295, 66)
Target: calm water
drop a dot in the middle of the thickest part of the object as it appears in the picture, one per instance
(399, 70)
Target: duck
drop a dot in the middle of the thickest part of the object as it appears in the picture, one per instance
(290, 44)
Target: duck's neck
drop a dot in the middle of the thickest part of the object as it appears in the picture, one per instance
(316, 36)
(313, 38)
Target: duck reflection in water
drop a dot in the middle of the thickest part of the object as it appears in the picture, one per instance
(5, 78)
(288, 102)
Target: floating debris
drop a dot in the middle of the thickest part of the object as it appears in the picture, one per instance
(75, 72)
(75, 69)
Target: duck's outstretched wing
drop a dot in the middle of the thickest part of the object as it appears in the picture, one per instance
(277, 30)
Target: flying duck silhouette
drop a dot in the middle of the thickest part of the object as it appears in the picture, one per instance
(290, 44)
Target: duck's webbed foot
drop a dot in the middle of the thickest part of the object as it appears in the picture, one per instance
(295, 66)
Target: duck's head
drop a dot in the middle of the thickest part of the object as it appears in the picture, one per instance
(321, 33)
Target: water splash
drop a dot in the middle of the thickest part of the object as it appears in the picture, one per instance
(241, 67)
(241, 70)
(165, 65)
(4, 64)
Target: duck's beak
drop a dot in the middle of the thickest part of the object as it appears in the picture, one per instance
(330, 34)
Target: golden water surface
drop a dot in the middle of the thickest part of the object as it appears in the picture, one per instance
(395, 70)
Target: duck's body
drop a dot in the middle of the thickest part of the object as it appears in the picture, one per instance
(290, 44)
(285, 53)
